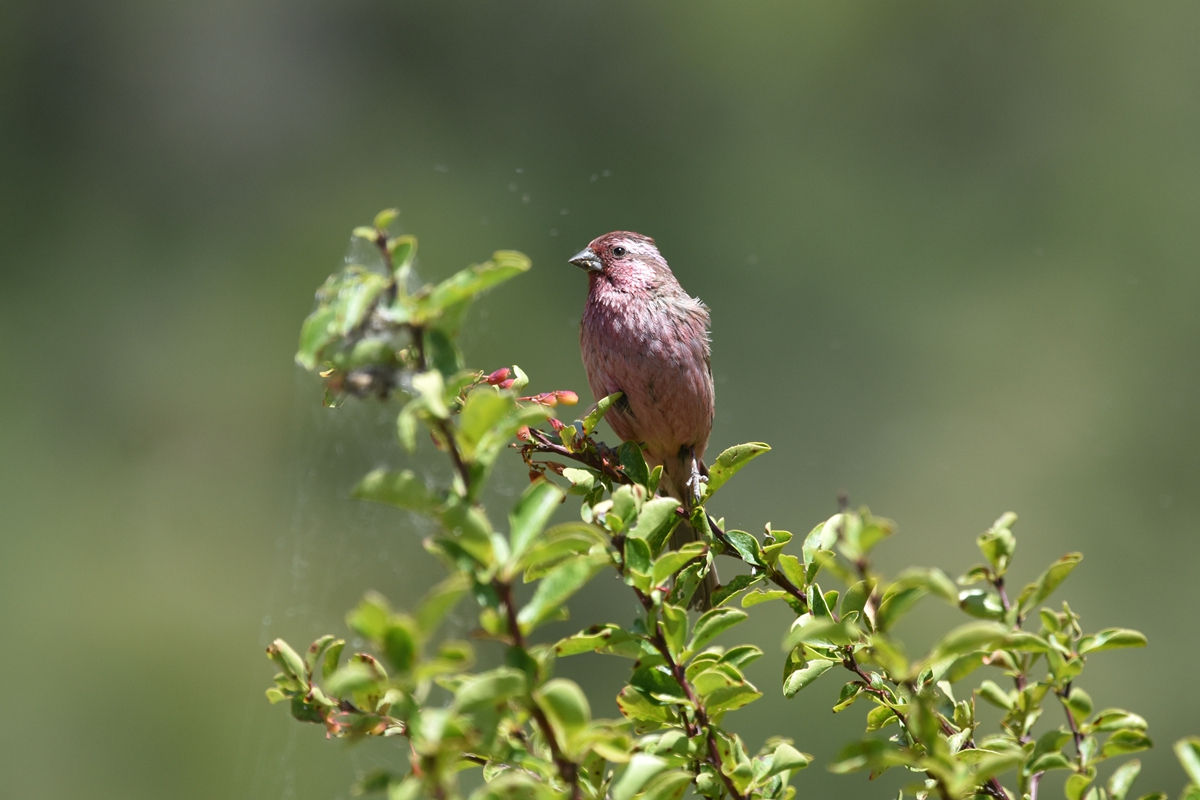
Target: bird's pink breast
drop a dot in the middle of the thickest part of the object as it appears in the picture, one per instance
(654, 348)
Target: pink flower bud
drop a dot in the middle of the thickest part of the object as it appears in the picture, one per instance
(549, 399)
(507, 384)
(567, 398)
(523, 433)
(498, 376)
(558, 426)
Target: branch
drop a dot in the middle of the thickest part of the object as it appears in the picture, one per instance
(593, 456)
(702, 722)
(568, 770)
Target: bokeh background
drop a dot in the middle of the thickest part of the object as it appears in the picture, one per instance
(950, 250)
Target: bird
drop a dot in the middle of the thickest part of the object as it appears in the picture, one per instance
(642, 335)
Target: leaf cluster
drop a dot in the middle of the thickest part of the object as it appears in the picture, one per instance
(533, 735)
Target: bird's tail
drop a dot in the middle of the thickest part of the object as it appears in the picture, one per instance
(677, 482)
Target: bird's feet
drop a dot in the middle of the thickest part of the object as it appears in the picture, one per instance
(697, 483)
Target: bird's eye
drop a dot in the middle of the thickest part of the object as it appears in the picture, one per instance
(618, 251)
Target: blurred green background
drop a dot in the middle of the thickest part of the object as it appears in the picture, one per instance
(950, 251)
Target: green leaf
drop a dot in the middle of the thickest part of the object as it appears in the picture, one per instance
(583, 481)
(1080, 704)
(566, 706)
(315, 334)
(1126, 741)
(439, 600)
(399, 642)
(742, 655)
(385, 218)
(981, 603)
(431, 387)
(989, 691)
(998, 543)
(731, 698)
(1111, 719)
(402, 249)
(787, 757)
(655, 522)
(726, 591)
(658, 684)
(554, 590)
(759, 595)
(490, 688)
(634, 464)
(729, 462)
(792, 569)
(400, 489)
(530, 515)
(967, 639)
(601, 639)
(713, 623)
(670, 563)
(880, 717)
(822, 537)
(467, 283)
(932, 580)
(557, 544)
(1111, 639)
(895, 604)
(804, 674)
(510, 784)
(1023, 642)
(444, 356)
(669, 785)
(1187, 750)
(675, 628)
(370, 617)
(1122, 779)
(1033, 594)
(313, 656)
(484, 409)
(593, 418)
(636, 706)
(821, 630)
(288, 660)
(642, 767)
(873, 754)
(857, 595)
(1049, 761)
(747, 547)
(1077, 784)
(353, 677)
(637, 556)
(329, 664)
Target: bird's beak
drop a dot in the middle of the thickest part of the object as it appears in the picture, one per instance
(586, 259)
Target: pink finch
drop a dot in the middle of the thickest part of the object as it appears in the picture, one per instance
(644, 336)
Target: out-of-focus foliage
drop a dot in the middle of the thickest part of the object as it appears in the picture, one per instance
(533, 734)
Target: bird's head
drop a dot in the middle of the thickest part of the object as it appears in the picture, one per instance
(623, 258)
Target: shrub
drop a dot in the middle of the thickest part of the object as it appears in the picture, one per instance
(533, 735)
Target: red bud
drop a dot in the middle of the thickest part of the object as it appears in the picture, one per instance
(523, 433)
(558, 426)
(567, 398)
(498, 376)
(507, 384)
